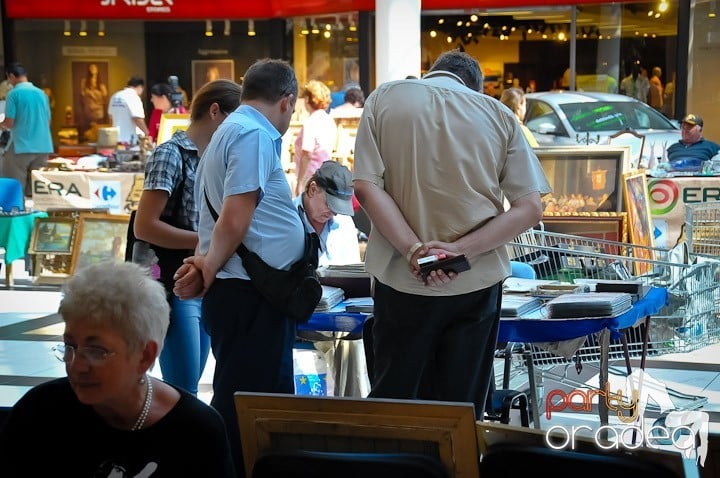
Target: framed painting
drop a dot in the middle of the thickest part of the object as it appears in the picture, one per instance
(171, 122)
(605, 226)
(100, 238)
(584, 178)
(52, 235)
(205, 71)
(90, 96)
(639, 219)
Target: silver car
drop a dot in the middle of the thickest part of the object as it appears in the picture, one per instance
(560, 118)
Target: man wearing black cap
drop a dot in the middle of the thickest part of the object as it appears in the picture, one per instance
(692, 146)
(326, 208)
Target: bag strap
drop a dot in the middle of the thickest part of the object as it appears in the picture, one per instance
(312, 241)
(242, 251)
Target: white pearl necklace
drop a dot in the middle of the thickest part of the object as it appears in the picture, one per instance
(140, 422)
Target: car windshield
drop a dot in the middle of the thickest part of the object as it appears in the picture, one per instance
(613, 116)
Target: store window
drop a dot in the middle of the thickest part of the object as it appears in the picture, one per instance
(325, 48)
(529, 48)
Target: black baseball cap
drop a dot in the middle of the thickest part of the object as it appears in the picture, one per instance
(337, 182)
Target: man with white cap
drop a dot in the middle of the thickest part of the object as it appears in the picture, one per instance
(692, 146)
(326, 208)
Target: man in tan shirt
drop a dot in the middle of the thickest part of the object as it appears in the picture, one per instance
(434, 159)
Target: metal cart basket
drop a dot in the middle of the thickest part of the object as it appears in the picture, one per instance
(689, 321)
(702, 228)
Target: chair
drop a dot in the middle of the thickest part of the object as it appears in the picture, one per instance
(313, 464)
(11, 195)
(522, 270)
(284, 423)
(523, 451)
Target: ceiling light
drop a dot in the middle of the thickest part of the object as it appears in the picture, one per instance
(304, 30)
(663, 6)
(433, 33)
(226, 29)
(473, 18)
(441, 21)
(101, 28)
(351, 24)
(83, 28)
(314, 29)
(327, 33)
(67, 31)
(449, 39)
(251, 28)
(208, 28)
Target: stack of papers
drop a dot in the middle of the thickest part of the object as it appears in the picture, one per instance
(359, 304)
(518, 305)
(331, 296)
(591, 304)
(344, 270)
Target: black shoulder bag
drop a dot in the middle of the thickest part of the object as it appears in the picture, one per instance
(168, 260)
(297, 291)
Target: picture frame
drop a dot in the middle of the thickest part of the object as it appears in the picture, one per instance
(640, 228)
(53, 235)
(171, 122)
(90, 96)
(605, 226)
(584, 178)
(100, 238)
(204, 71)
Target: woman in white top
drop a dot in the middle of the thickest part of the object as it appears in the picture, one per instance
(316, 140)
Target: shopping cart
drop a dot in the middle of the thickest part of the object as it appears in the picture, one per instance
(689, 321)
(702, 228)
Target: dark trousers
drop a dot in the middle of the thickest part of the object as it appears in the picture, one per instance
(435, 347)
(252, 344)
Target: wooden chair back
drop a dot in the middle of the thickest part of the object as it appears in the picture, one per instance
(283, 422)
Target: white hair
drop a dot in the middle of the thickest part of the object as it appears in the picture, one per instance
(122, 296)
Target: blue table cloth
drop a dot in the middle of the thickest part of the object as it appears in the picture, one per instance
(555, 330)
(514, 330)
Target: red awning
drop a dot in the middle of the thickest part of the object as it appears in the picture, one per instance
(177, 9)
(232, 9)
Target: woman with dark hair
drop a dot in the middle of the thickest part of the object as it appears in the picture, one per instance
(166, 220)
(161, 98)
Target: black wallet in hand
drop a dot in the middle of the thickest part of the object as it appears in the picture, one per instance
(455, 264)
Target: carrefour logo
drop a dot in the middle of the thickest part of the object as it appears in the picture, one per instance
(664, 195)
(105, 193)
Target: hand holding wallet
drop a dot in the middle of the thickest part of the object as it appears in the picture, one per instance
(455, 264)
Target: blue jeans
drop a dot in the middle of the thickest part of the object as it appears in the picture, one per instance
(187, 345)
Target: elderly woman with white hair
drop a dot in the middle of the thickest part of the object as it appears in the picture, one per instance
(108, 417)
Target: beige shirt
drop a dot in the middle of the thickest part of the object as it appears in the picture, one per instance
(446, 155)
